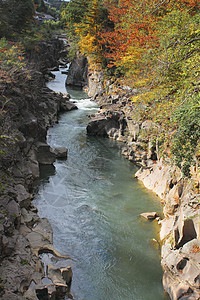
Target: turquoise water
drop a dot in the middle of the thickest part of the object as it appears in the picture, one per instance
(93, 202)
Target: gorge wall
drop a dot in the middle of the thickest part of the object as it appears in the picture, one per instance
(28, 109)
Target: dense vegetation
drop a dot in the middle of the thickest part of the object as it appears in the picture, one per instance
(154, 46)
(20, 33)
(151, 45)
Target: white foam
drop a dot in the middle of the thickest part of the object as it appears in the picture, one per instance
(86, 104)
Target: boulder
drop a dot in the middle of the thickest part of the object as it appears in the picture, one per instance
(44, 154)
(97, 126)
(109, 124)
(60, 152)
(149, 215)
(67, 106)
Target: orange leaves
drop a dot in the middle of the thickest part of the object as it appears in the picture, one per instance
(134, 32)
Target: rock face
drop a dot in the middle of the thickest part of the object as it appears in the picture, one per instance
(78, 70)
(48, 54)
(95, 88)
(30, 110)
(180, 229)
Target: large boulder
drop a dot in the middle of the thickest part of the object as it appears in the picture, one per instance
(109, 124)
(78, 70)
(44, 154)
(60, 152)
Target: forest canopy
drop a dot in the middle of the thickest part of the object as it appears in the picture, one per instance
(154, 46)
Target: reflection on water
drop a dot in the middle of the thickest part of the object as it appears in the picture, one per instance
(93, 203)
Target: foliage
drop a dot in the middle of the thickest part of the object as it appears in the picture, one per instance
(154, 45)
(40, 6)
(84, 21)
(11, 55)
(186, 139)
(15, 15)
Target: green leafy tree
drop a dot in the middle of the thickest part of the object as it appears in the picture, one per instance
(186, 139)
(15, 15)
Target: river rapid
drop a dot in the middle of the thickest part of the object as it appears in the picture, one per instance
(93, 202)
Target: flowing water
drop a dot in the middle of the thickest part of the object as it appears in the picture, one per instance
(93, 203)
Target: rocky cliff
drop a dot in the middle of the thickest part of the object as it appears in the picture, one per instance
(27, 110)
(78, 71)
(180, 228)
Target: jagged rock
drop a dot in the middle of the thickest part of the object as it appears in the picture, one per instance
(31, 109)
(60, 152)
(67, 106)
(134, 129)
(59, 276)
(23, 197)
(31, 126)
(77, 74)
(9, 295)
(176, 289)
(95, 80)
(107, 124)
(29, 218)
(42, 293)
(44, 154)
(55, 69)
(41, 239)
(149, 215)
(155, 179)
(172, 201)
(34, 168)
(14, 213)
(98, 125)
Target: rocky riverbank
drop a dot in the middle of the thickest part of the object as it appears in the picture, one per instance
(27, 109)
(180, 228)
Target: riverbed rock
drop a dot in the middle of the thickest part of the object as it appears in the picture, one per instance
(149, 215)
(100, 125)
(67, 106)
(60, 152)
(109, 124)
(44, 154)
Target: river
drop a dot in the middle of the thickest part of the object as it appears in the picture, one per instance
(93, 202)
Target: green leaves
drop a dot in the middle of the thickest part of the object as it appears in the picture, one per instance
(15, 15)
(186, 139)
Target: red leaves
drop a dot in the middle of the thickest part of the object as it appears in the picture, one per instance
(134, 28)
